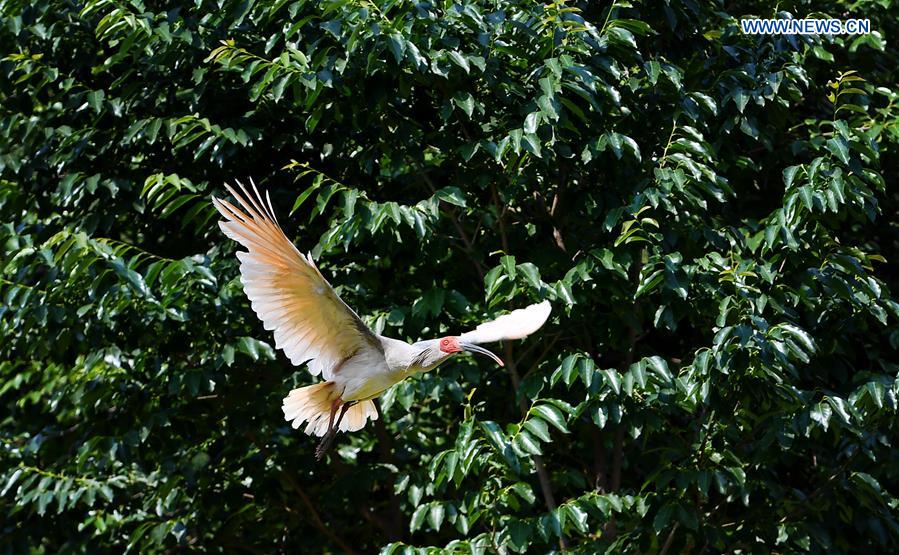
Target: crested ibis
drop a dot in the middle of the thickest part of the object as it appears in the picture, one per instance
(313, 325)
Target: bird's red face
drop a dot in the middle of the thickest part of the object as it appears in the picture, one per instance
(450, 344)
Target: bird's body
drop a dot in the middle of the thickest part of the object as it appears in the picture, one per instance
(364, 379)
(364, 376)
(313, 325)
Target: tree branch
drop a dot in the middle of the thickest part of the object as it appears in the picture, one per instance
(385, 445)
(629, 356)
(315, 519)
(542, 475)
(669, 540)
(500, 212)
(557, 233)
(600, 469)
(466, 240)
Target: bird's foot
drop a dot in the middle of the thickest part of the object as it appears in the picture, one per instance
(325, 444)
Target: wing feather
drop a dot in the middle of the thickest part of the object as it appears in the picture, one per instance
(288, 292)
(514, 325)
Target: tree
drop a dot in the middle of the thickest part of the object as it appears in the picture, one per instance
(711, 213)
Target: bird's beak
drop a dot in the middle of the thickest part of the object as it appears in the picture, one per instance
(472, 348)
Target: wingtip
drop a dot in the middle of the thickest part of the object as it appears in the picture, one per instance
(219, 206)
(543, 308)
(231, 190)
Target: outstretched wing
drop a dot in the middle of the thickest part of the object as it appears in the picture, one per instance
(287, 291)
(514, 325)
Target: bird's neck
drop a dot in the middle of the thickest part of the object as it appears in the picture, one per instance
(403, 357)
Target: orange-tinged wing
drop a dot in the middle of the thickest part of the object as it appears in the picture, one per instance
(287, 291)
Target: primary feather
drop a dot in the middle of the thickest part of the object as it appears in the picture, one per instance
(288, 293)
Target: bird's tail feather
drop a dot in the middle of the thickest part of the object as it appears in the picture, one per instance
(312, 405)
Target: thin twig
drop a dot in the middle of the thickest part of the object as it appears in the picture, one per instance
(669, 540)
(546, 350)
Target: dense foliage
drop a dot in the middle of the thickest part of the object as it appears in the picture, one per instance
(712, 214)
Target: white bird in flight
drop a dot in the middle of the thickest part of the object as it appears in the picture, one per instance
(312, 324)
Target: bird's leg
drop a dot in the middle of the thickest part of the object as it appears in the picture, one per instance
(326, 439)
(334, 407)
(333, 427)
(346, 407)
(377, 404)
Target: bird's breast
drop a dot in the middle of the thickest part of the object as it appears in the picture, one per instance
(362, 378)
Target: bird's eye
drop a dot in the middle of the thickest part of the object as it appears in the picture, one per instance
(444, 341)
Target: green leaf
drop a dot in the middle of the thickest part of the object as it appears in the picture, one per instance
(577, 516)
(613, 379)
(821, 414)
(494, 434)
(465, 101)
(789, 174)
(840, 407)
(527, 443)
(530, 122)
(649, 283)
(254, 348)
(663, 517)
(805, 339)
(531, 275)
(547, 107)
(228, 354)
(451, 195)
(532, 144)
(554, 66)
(550, 526)
(741, 98)
(653, 69)
(95, 100)
(397, 46)
(658, 365)
(304, 195)
(567, 371)
(11, 482)
(805, 193)
(552, 415)
(600, 417)
(538, 428)
(632, 25)
(839, 148)
(460, 61)
(418, 517)
(435, 515)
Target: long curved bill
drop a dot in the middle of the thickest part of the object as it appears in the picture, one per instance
(472, 348)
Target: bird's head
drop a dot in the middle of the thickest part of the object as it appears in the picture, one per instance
(451, 345)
